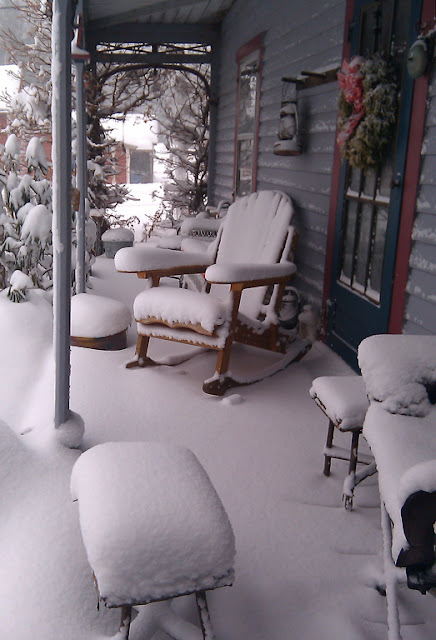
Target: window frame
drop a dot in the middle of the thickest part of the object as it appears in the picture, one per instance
(248, 52)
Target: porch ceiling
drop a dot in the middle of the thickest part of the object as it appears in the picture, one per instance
(153, 21)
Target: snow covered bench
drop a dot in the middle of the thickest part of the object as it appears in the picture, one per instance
(344, 401)
(400, 427)
(154, 529)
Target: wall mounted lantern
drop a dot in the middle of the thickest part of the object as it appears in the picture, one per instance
(288, 143)
(420, 54)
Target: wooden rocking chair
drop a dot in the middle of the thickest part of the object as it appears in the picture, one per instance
(246, 279)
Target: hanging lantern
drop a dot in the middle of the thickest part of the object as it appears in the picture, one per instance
(288, 144)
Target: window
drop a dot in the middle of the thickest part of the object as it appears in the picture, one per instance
(247, 116)
(140, 166)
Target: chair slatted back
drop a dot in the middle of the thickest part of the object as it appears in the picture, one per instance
(255, 231)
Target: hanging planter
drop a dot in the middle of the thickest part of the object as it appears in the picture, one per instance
(367, 111)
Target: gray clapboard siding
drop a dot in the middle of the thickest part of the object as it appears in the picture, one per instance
(420, 311)
(295, 40)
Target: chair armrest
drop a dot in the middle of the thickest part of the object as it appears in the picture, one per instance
(251, 275)
(146, 260)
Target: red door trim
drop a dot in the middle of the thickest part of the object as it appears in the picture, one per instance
(334, 192)
(410, 191)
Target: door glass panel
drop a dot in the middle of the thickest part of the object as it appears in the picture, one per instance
(370, 184)
(363, 249)
(376, 266)
(348, 248)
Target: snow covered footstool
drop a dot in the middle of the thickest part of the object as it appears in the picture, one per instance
(98, 322)
(344, 401)
(154, 529)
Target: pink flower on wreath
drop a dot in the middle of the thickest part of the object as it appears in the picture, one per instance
(350, 80)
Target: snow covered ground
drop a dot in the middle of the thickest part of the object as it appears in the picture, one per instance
(305, 568)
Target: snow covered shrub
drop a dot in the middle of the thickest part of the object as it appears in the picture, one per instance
(26, 215)
(18, 286)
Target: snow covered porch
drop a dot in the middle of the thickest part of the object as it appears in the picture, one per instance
(305, 567)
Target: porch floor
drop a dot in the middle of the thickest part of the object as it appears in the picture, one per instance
(305, 567)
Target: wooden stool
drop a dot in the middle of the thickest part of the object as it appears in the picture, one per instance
(344, 401)
(154, 529)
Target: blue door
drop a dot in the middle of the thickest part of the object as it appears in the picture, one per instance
(369, 204)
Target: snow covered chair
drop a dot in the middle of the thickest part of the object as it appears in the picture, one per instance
(154, 529)
(247, 282)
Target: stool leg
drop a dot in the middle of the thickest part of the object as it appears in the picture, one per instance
(126, 618)
(327, 458)
(203, 611)
(353, 452)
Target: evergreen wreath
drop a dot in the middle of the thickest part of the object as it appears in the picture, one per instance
(367, 110)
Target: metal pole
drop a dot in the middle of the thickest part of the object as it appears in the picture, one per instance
(61, 157)
(81, 174)
(213, 111)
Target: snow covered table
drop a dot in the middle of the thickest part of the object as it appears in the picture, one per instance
(153, 526)
(400, 427)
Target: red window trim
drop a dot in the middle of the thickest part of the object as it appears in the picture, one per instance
(411, 181)
(255, 44)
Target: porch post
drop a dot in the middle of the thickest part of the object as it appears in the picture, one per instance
(213, 112)
(61, 158)
(81, 173)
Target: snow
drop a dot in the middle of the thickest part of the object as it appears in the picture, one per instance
(229, 273)
(145, 258)
(35, 154)
(118, 234)
(20, 281)
(12, 146)
(343, 399)
(305, 568)
(8, 83)
(133, 131)
(178, 539)
(97, 316)
(181, 306)
(37, 225)
(404, 449)
(397, 369)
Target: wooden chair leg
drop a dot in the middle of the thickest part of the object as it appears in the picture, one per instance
(203, 612)
(220, 383)
(126, 618)
(329, 443)
(223, 359)
(141, 359)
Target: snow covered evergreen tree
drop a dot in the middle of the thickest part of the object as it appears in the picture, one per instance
(26, 216)
(183, 114)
